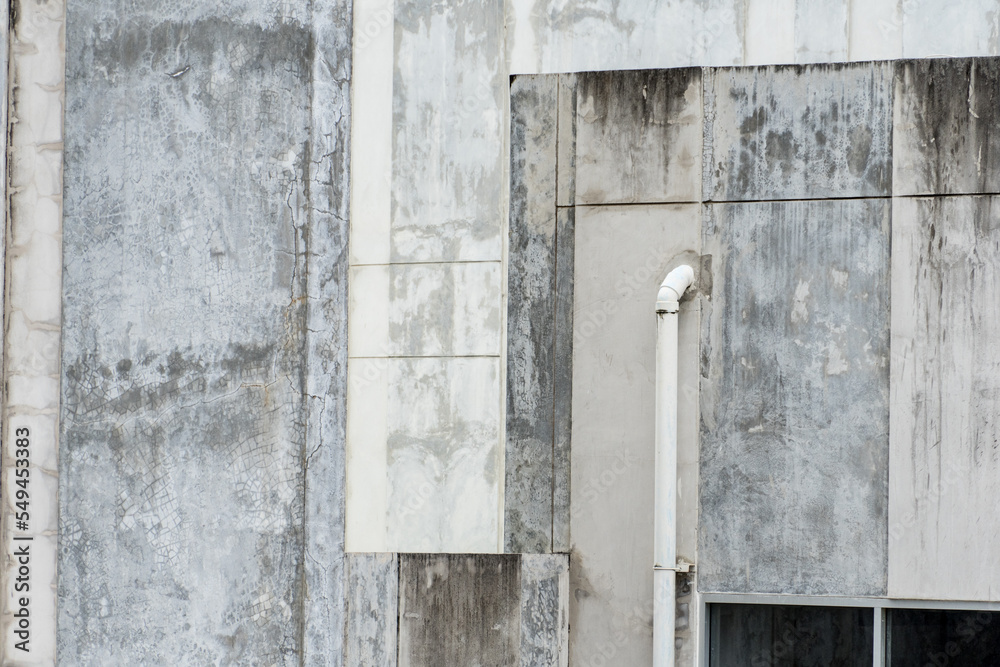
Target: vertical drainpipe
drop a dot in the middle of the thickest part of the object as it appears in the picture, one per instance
(665, 536)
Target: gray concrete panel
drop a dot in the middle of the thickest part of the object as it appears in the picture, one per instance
(944, 533)
(638, 137)
(190, 219)
(796, 132)
(372, 610)
(325, 363)
(945, 138)
(622, 254)
(459, 610)
(794, 399)
(544, 610)
(531, 316)
(562, 390)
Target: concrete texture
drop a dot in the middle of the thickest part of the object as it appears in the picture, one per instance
(584, 35)
(529, 465)
(944, 461)
(372, 610)
(798, 132)
(427, 278)
(444, 468)
(459, 610)
(204, 352)
(638, 137)
(794, 399)
(562, 379)
(544, 611)
(945, 139)
(449, 88)
(622, 255)
(32, 316)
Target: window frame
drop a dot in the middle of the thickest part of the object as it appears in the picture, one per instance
(878, 605)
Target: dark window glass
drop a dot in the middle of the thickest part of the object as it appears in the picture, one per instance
(752, 635)
(935, 638)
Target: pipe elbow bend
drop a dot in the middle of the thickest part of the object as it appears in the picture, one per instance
(673, 288)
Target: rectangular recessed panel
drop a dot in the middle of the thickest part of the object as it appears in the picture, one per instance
(794, 399)
(944, 434)
(798, 132)
(459, 610)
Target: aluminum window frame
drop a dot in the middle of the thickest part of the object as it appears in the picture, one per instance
(878, 605)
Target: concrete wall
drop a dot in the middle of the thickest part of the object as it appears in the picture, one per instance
(436, 609)
(806, 466)
(204, 346)
(429, 188)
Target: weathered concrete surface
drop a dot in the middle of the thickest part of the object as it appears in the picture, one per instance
(448, 92)
(459, 610)
(372, 610)
(622, 255)
(821, 31)
(418, 310)
(945, 139)
(531, 316)
(562, 379)
(586, 35)
(944, 461)
(32, 315)
(443, 454)
(204, 276)
(798, 132)
(444, 178)
(544, 610)
(638, 137)
(935, 28)
(794, 399)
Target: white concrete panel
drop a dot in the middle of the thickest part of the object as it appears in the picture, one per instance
(821, 30)
(936, 28)
(449, 116)
(371, 132)
(444, 309)
(445, 457)
(622, 254)
(367, 412)
(944, 466)
(585, 35)
(368, 317)
(876, 30)
(769, 37)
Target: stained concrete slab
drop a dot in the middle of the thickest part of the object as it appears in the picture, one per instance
(198, 320)
(544, 610)
(449, 89)
(443, 455)
(562, 380)
(638, 137)
(531, 316)
(622, 255)
(794, 399)
(944, 462)
(798, 132)
(945, 139)
(372, 610)
(587, 35)
(459, 610)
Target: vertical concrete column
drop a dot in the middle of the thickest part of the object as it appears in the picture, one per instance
(32, 316)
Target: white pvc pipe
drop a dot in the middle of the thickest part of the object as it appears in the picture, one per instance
(665, 535)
